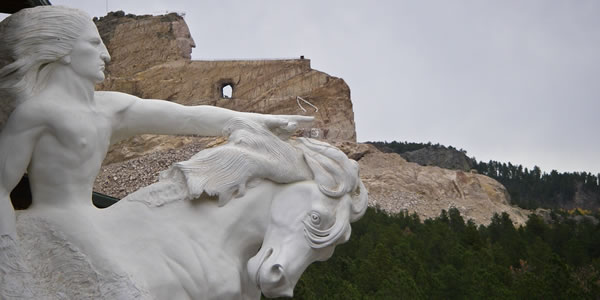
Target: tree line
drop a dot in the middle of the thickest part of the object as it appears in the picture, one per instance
(401, 147)
(533, 188)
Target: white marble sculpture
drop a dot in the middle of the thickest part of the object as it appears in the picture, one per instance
(198, 232)
(235, 220)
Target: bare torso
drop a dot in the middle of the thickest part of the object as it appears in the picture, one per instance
(68, 153)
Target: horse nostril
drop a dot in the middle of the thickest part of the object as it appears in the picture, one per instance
(277, 268)
(275, 275)
(279, 282)
(276, 272)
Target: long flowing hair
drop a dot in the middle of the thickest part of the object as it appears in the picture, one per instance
(30, 41)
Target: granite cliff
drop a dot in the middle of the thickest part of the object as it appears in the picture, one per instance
(151, 59)
(396, 185)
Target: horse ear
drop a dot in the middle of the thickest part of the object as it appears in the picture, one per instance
(360, 201)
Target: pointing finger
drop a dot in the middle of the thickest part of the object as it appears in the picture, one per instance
(299, 119)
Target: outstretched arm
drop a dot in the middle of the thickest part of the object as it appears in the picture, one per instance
(17, 141)
(136, 116)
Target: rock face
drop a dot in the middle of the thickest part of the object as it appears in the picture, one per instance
(137, 43)
(447, 158)
(151, 59)
(395, 185)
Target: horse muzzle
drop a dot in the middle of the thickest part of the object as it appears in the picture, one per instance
(270, 278)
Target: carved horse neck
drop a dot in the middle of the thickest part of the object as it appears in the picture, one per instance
(238, 228)
(241, 224)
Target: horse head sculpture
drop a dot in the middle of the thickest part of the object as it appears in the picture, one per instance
(308, 218)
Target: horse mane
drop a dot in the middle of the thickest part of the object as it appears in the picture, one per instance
(252, 152)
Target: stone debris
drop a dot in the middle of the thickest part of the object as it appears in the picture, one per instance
(396, 185)
(122, 178)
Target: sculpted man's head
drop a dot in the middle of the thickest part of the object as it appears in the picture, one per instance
(33, 41)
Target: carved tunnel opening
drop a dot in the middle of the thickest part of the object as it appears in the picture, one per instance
(227, 91)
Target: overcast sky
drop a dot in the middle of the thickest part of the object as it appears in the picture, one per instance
(514, 81)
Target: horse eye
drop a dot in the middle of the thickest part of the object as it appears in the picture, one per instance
(315, 218)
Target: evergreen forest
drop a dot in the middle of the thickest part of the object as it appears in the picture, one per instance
(531, 189)
(401, 257)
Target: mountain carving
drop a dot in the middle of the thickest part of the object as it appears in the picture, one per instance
(151, 59)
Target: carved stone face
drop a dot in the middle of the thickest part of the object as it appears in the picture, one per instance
(89, 55)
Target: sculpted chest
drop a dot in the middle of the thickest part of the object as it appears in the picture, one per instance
(86, 133)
